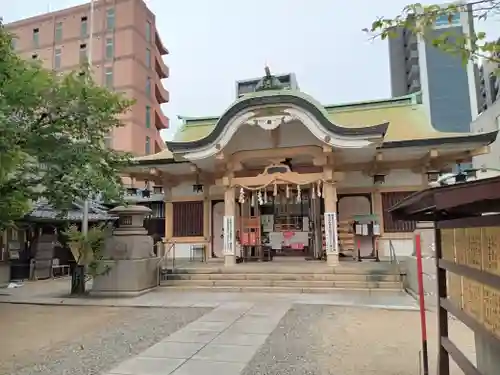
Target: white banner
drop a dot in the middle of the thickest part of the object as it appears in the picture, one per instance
(229, 236)
(331, 240)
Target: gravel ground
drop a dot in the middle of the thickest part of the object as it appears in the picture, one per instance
(324, 340)
(92, 346)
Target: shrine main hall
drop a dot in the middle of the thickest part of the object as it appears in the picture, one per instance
(280, 174)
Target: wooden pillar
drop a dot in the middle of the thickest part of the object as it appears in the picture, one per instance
(169, 212)
(377, 208)
(229, 226)
(206, 220)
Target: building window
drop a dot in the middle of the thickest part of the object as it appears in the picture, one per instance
(147, 146)
(148, 116)
(148, 86)
(57, 58)
(148, 57)
(187, 219)
(58, 34)
(389, 199)
(83, 53)
(84, 28)
(148, 32)
(110, 19)
(108, 77)
(110, 48)
(34, 56)
(36, 38)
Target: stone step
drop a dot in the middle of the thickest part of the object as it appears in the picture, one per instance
(389, 285)
(346, 237)
(351, 268)
(253, 289)
(283, 277)
(347, 241)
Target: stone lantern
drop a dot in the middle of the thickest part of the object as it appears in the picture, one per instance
(129, 253)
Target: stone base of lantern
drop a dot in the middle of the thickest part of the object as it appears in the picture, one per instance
(127, 278)
(128, 253)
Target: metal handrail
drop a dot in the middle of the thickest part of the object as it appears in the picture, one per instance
(167, 251)
(164, 259)
(392, 253)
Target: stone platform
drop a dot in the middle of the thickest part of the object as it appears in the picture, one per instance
(286, 276)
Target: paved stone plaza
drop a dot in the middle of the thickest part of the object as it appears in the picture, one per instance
(52, 292)
(165, 333)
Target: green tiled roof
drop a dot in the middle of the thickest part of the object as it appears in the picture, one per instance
(406, 116)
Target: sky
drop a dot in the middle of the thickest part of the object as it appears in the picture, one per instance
(213, 43)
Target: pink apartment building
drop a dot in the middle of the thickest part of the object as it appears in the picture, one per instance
(126, 56)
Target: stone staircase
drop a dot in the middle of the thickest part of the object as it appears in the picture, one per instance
(302, 277)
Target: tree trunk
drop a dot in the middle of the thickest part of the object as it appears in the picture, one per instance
(78, 280)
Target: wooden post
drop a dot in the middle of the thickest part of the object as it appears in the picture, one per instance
(207, 214)
(443, 358)
(421, 295)
(169, 212)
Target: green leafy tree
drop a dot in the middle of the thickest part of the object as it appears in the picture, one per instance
(420, 19)
(88, 253)
(52, 136)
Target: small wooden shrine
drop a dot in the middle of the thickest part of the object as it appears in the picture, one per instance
(467, 230)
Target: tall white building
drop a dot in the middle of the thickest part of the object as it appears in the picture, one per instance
(449, 89)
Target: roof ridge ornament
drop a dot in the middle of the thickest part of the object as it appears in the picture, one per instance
(269, 82)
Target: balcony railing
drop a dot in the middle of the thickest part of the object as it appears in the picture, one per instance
(159, 45)
(162, 95)
(161, 68)
(161, 121)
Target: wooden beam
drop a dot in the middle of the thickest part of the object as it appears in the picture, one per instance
(286, 152)
(375, 166)
(279, 178)
(429, 158)
(220, 156)
(275, 137)
(327, 149)
(480, 151)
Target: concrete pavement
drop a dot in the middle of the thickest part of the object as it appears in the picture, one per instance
(221, 342)
(55, 292)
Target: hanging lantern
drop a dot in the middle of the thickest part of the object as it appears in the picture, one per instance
(299, 194)
(319, 189)
(241, 198)
(252, 200)
(259, 198)
(265, 196)
(287, 192)
(275, 192)
(313, 192)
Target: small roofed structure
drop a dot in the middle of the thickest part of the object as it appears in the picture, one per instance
(467, 250)
(37, 237)
(460, 200)
(43, 211)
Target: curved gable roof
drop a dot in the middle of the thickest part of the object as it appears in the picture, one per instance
(279, 97)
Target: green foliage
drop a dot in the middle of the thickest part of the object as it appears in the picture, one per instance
(52, 136)
(420, 19)
(87, 250)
